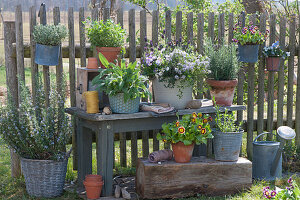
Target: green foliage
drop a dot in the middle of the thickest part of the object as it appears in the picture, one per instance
(225, 122)
(121, 79)
(249, 35)
(51, 35)
(105, 33)
(33, 130)
(223, 64)
(191, 128)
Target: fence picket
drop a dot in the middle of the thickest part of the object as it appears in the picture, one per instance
(190, 27)
(211, 26)
(132, 48)
(297, 125)
(168, 26)
(145, 144)
(143, 30)
(155, 141)
(155, 19)
(221, 28)
(178, 25)
(134, 149)
(82, 38)
(230, 27)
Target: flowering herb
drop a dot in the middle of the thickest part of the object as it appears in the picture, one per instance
(190, 129)
(292, 192)
(275, 51)
(172, 62)
(249, 35)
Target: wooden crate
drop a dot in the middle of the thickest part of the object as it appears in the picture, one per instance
(200, 176)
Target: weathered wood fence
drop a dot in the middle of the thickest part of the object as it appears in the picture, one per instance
(16, 50)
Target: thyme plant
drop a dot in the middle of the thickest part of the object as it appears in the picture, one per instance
(51, 35)
(225, 122)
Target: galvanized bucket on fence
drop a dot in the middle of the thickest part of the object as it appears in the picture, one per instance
(248, 53)
(47, 55)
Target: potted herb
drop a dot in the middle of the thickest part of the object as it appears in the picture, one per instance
(107, 37)
(227, 137)
(48, 40)
(248, 38)
(184, 133)
(222, 72)
(38, 134)
(124, 85)
(273, 55)
(174, 70)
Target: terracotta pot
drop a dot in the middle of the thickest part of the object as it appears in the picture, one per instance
(93, 189)
(93, 177)
(110, 53)
(223, 91)
(182, 153)
(273, 63)
(92, 63)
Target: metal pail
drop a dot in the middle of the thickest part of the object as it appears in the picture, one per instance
(264, 153)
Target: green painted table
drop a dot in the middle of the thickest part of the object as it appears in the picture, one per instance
(104, 126)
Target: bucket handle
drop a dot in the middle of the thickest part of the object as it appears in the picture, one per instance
(264, 133)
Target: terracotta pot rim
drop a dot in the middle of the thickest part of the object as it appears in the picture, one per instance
(222, 83)
(93, 176)
(184, 144)
(273, 56)
(108, 48)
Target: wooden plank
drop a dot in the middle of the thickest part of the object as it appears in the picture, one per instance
(143, 29)
(132, 42)
(200, 48)
(106, 14)
(82, 38)
(95, 17)
(261, 81)
(202, 175)
(230, 27)
(155, 17)
(290, 93)
(270, 113)
(178, 25)
(221, 28)
(120, 17)
(155, 141)
(211, 26)
(145, 144)
(134, 149)
(297, 126)
(71, 56)
(168, 27)
(123, 158)
(190, 27)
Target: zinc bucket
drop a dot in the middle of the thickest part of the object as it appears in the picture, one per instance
(248, 53)
(47, 55)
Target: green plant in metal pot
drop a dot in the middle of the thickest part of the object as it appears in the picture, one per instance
(222, 72)
(123, 84)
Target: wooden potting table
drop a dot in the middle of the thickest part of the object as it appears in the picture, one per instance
(104, 126)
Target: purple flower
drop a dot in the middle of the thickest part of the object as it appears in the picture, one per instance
(145, 38)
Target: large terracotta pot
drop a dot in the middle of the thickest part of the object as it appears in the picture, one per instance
(93, 188)
(273, 63)
(92, 63)
(223, 91)
(182, 153)
(110, 53)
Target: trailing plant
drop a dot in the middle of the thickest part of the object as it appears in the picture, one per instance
(121, 79)
(225, 122)
(275, 51)
(34, 130)
(105, 33)
(223, 62)
(191, 128)
(51, 35)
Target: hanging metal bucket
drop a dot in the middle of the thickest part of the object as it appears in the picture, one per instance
(47, 55)
(248, 53)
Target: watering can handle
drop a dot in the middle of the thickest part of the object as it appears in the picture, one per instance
(264, 133)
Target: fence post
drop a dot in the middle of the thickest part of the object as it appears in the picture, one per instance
(34, 66)
(297, 125)
(82, 38)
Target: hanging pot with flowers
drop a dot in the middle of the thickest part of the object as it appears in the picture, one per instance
(184, 133)
(248, 38)
(273, 55)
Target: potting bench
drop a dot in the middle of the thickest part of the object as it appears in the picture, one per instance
(104, 126)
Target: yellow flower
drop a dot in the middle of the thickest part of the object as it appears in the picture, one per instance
(193, 120)
(205, 121)
(194, 115)
(199, 115)
(203, 131)
(177, 123)
(199, 127)
(164, 140)
(181, 130)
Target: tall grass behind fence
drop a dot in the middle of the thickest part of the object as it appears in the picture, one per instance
(259, 117)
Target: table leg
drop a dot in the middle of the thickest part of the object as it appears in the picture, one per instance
(105, 141)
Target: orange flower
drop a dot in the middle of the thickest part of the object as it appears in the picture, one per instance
(199, 115)
(164, 140)
(177, 123)
(194, 115)
(199, 127)
(210, 119)
(203, 131)
(181, 130)
(205, 121)
(193, 120)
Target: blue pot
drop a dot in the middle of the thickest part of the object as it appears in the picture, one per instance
(118, 105)
(47, 55)
(248, 53)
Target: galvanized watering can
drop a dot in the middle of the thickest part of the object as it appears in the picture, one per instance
(267, 158)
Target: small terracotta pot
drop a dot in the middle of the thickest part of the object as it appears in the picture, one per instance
(182, 153)
(92, 63)
(93, 177)
(93, 189)
(273, 63)
(110, 53)
(223, 91)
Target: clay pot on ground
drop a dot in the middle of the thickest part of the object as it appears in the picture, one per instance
(182, 153)
(110, 53)
(222, 91)
(273, 63)
(92, 63)
(93, 188)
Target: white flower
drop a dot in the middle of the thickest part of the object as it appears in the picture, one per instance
(167, 69)
(176, 77)
(288, 54)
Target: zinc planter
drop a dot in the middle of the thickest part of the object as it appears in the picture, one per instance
(273, 64)
(182, 153)
(44, 178)
(47, 55)
(227, 145)
(223, 91)
(248, 53)
(163, 94)
(118, 105)
(110, 53)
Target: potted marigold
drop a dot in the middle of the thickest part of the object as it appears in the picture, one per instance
(248, 38)
(174, 70)
(222, 72)
(273, 55)
(184, 133)
(107, 36)
(38, 134)
(48, 40)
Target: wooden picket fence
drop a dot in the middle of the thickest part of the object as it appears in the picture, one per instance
(16, 50)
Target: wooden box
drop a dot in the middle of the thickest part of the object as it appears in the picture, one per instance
(200, 176)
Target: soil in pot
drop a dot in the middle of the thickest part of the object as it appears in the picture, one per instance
(110, 53)
(273, 64)
(93, 189)
(92, 63)
(182, 153)
(223, 91)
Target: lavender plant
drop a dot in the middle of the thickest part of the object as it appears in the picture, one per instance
(34, 130)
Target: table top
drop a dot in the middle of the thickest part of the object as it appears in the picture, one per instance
(207, 107)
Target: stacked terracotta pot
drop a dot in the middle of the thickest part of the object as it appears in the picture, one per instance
(93, 186)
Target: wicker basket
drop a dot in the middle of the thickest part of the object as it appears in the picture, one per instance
(44, 178)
